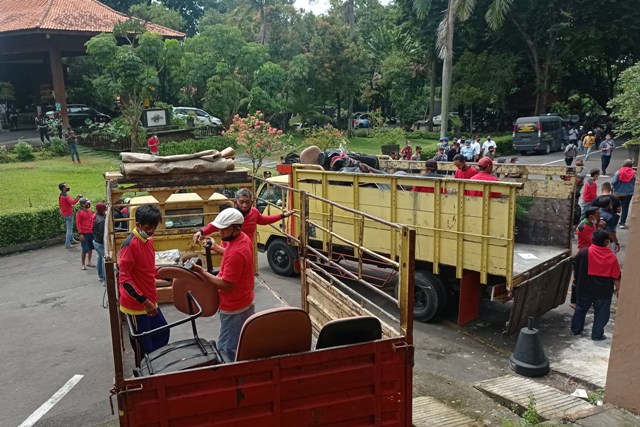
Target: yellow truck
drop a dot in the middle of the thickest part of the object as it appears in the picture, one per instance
(470, 239)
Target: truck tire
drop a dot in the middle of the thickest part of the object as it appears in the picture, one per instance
(547, 150)
(281, 257)
(429, 296)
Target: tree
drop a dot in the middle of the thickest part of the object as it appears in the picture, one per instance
(126, 75)
(158, 14)
(457, 10)
(7, 92)
(626, 104)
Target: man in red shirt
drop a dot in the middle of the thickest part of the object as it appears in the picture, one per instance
(589, 190)
(252, 217)
(584, 231)
(406, 152)
(84, 223)
(464, 171)
(154, 144)
(235, 280)
(65, 202)
(137, 277)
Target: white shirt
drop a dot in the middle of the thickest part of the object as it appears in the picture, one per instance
(487, 144)
(476, 148)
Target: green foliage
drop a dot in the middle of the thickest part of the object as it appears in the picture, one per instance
(326, 137)
(424, 135)
(158, 14)
(58, 147)
(531, 416)
(388, 136)
(190, 146)
(23, 151)
(31, 225)
(626, 104)
(523, 204)
(595, 397)
(7, 91)
(504, 145)
(4, 154)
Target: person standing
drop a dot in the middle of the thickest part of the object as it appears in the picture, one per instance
(440, 156)
(42, 125)
(84, 222)
(623, 183)
(418, 154)
(65, 203)
(584, 231)
(463, 171)
(138, 296)
(453, 151)
(467, 151)
(98, 239)
(235, 280)
(13, 118)
(72, 144)
(489, 147)
(589, 190)
(588, 142)
(154, 145)
(252, 217)
(597, 274)
(610, 217)
(570, 152)
(406, 152)
(477, 149)
(572, 135)
(606, 149)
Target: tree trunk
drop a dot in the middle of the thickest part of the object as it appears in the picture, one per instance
(350, 117)
(338, 110)
(432, 94)
(447, 69)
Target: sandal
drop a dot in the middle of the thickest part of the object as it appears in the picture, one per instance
(83, 268)
(91, 265)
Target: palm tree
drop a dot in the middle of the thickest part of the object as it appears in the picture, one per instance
(7, 91)
(461, 10)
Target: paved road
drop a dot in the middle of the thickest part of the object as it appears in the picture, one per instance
(56, 329)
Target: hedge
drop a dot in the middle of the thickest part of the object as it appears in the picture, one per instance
(189, 146)
(29, 226)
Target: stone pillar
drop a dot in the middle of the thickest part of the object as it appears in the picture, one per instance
(623, 376)
(57, 76)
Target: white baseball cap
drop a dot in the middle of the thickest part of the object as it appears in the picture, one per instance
(227, 218)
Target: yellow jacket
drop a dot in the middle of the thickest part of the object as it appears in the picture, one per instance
(589, 140)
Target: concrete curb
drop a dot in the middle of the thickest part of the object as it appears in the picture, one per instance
(31, 246)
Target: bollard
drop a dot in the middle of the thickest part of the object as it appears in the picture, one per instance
(528, 358)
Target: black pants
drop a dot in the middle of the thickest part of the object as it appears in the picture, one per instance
(605, 160)
(568, 160)
(44, 133)
(601, 314)
(625, 201)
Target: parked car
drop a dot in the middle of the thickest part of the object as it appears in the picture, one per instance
(79, 113)
(361, 120)
(300, 127)
(201, 116)
(542, 134)
(437, 120)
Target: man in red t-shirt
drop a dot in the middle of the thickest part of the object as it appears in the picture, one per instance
(464, 171)
(235, 279)
(252, 217)
(154, 144)
(584, 231)
(137, 277)
(485, 167)
(84, 223)
(65, 202)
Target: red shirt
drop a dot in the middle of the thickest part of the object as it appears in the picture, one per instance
(237, 267)
(483, 176)
(66, 204)
(466, 174)
(251, 222)
(137, 266)
(153, 143)
(590, 191)
(84, 221)
(584, 231)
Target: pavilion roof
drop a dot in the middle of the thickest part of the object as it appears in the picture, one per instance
(85, 16)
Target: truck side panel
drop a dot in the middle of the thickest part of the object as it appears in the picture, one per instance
(346, 386)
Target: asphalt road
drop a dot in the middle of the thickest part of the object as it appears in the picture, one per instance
(55, 329)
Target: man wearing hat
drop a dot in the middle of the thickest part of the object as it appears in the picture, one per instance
(444, 144)
(588, 142)
(98, 238)
(235, 279)
(485, 167)
(65, 202)
(84, 222)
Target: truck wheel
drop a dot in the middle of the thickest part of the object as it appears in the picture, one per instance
(429, 296)
(548, 149)
(281, 257)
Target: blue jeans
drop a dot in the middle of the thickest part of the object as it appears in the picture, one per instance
(99, 247)
(230, 327)
(143, 323)
(601, 311)
(73, 149)
(68, 222)
(586, 156)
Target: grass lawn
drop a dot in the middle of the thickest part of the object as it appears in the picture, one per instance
(35, 184)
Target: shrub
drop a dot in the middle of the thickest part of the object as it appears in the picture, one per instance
(4, 154)
(189, 146)
(325, 138)
(30, 226)
(23, 151)
(58, 147)
(387, 136)
(504, 145)
(424, 135)
(361, 133)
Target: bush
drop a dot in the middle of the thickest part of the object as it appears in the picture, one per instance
(504, 145)
(361, 133)
(189, 146)
(424, 135)
(325, 138)
(4, 155)
(30, 226)
(390, 136)
(58, 147)
(23, 151)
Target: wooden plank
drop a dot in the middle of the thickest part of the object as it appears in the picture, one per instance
(429, 412)
(550, 403)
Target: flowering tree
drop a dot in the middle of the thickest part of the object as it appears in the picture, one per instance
(258, 138)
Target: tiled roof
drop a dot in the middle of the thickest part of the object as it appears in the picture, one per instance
(65, 15)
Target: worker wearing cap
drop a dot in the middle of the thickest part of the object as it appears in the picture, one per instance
(588, 142)
(485, 167)
(84, 223)
(252, 217)
(98, 238)
(66, 202)
(235, 279)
